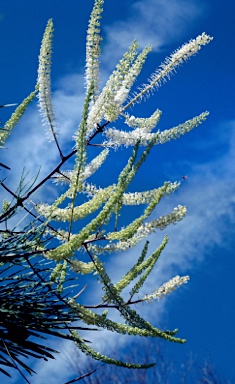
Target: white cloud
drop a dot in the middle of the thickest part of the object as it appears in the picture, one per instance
(211, 212)
(156, 22)
(29, 146)
(209, 194)
(209, 191)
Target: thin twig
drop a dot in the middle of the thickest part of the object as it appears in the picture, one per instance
(59, 297)
(99, 129)
(83, 376)
(20, 200)
(53, 132)
(14, 363)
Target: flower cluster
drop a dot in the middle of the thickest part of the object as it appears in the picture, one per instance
(147, 124)
(118, 137)
(103, 234)
(169, 66)
(93, 47)
(65, 176)
(6, 131)
(167, 288)
(142, 232)
(44, 80)
(108, 104)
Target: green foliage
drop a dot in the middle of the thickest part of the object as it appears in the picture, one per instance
(30, 304)
(16, 116)
(36, 261)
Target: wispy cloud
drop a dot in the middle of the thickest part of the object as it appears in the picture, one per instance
(156, 22)
(209, 194)
(29, 146)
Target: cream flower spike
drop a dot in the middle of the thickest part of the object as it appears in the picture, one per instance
(169, 66)
(44, 81)
(167, 288)
(93, 47)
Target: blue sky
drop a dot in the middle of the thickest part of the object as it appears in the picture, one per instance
(202, 245)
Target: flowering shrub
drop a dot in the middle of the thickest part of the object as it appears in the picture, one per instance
(99, 236)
